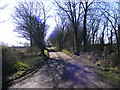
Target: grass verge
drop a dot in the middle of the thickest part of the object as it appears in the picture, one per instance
(24, 68)
(46, 53)
(109, 75)
(17, 64)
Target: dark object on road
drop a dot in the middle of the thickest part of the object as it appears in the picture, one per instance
(77, 54)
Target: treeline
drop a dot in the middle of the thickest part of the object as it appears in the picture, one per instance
(80, 25)
(87, 26)
(30, 19)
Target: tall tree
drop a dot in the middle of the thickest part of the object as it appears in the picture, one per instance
(72, 10)
(111, 14)
(30, 18)
(60, 29)
(86, 4)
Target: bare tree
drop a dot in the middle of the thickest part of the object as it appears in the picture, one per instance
(86, 4)
(119, 22)
(94, 22)
(72, 10)
(30, 18)
(111, 14)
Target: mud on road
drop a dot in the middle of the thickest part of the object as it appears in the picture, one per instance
(62, 71)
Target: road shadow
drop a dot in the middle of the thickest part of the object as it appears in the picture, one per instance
(65, 74)
(51, 50)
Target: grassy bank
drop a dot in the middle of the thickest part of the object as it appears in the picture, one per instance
(110, 75)
(18, 63)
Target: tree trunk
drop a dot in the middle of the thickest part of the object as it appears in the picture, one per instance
(93, 38)
(118, 44)
(76, 38)
(85, 31)
(111, 42)
(102, 40)
(31, 44)
(119, 34)
(73, 42)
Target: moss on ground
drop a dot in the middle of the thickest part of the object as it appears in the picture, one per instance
(46, 53)
(29, 63)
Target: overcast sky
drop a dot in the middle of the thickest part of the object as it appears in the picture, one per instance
(7, 34)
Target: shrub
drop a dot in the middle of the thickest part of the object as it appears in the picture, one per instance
(110, 60)
(9, 57)
(21, 55)
(19, 66)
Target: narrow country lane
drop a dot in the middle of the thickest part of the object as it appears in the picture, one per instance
(62, 71)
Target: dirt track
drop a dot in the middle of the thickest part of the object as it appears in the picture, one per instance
(62, 71)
